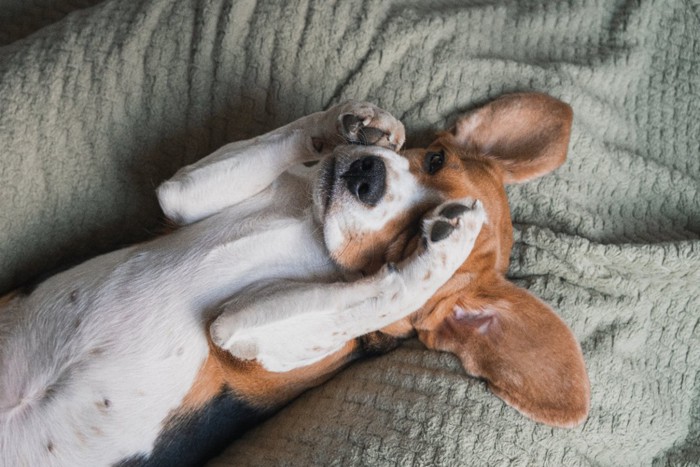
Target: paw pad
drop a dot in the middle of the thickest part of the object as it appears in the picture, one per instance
(448, 218)
(440, 231)
(453, 210)
(355, 131)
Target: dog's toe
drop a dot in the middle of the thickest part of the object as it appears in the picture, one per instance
(366, 124)
(355, 131)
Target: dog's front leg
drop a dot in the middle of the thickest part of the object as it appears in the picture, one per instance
(295, 325)
(244, 168)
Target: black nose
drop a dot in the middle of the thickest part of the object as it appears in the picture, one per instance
(366, 179)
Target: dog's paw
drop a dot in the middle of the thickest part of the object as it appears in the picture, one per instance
(367, 124)
(449, 233)
(355, 122)
(278, 346)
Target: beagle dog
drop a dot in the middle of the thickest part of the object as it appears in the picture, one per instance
(279, 276)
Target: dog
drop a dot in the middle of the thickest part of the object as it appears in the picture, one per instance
(279, 276)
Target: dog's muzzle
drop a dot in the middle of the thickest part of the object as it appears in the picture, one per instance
(366, 179)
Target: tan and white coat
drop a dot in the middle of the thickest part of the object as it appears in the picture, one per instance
(277, 278)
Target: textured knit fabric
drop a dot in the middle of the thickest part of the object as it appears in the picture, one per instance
(101, 101)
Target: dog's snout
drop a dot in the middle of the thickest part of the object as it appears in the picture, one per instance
(366, 179)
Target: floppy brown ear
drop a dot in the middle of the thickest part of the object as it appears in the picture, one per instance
(524, 351)
(528, 133)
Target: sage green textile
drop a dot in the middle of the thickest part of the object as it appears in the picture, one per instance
(99, 104)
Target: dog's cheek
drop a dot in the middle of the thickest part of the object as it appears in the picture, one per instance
(403, 246)
(351, 257)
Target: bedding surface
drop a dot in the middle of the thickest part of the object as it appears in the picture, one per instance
(101, 101)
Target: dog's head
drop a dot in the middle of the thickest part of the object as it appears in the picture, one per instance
(371, 200)
(370, 204)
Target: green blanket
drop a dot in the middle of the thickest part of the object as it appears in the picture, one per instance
(99, 104)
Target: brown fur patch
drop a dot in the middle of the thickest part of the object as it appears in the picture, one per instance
(527, 355)
(371, 251)
(257, 386)
(501, 332)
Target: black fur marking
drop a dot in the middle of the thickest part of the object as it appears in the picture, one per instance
(376, 343)
(194, 438)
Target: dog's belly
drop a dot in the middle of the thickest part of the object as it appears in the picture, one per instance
(89, 365)
(94, 360)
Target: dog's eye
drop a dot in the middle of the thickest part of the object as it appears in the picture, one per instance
(434, 161)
